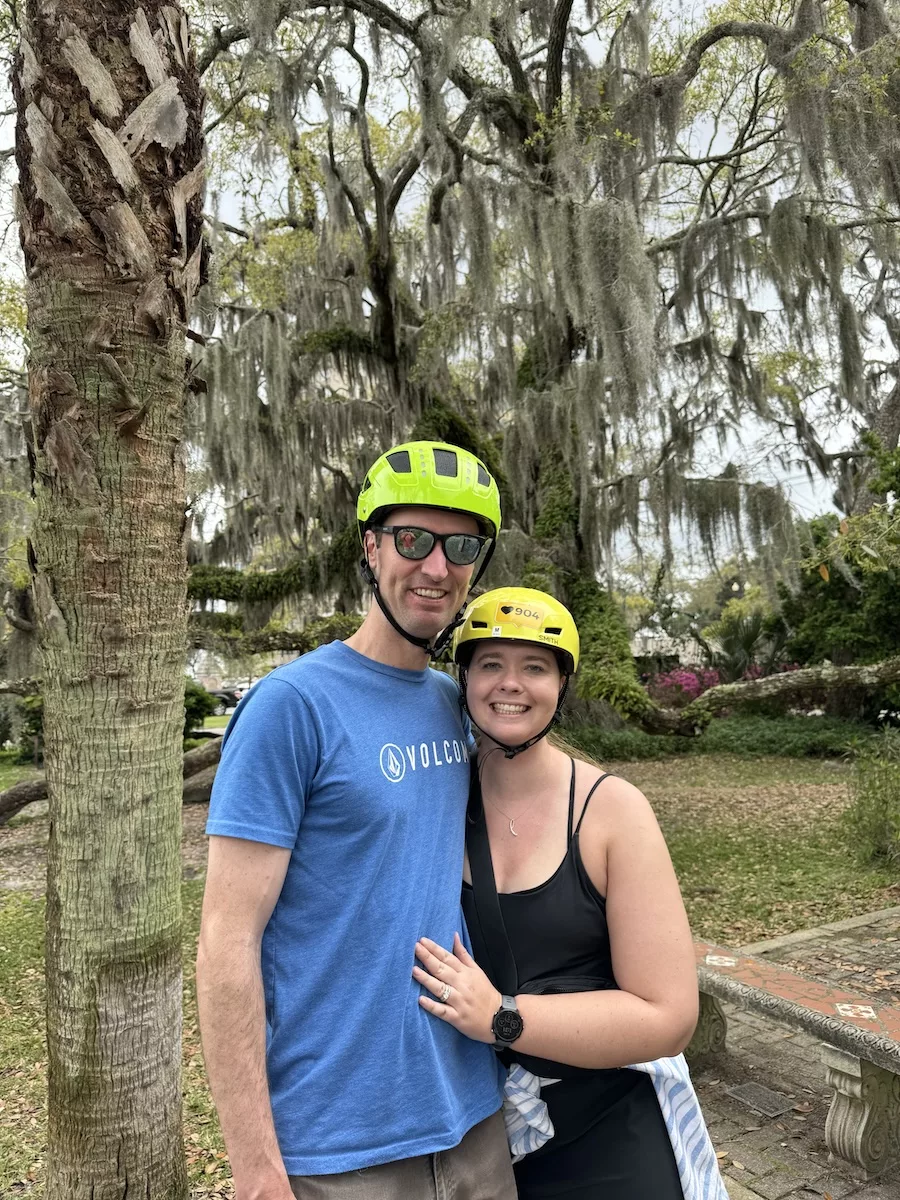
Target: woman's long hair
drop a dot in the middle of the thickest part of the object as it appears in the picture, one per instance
(560, 743)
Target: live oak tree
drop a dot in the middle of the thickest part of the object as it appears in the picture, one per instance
(589, 245)
(109, 146)
(593, 246)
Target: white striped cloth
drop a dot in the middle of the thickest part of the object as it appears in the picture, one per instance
(698, 1167)
(528, 1123)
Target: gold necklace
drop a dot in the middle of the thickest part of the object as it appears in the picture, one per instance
(512, 820)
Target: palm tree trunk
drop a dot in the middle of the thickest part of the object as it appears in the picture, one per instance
(109, 146)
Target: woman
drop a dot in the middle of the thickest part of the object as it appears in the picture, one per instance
(576, 913)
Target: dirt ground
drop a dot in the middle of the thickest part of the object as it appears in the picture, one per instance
(23, 847)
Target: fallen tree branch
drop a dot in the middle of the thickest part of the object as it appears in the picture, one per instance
(693, 719)
(199, 766)
(198, 772)
(672, 721)
(202, 758)
(283, 641)
(17, 797)
(792, 683)
(197, 789)
(19, 687)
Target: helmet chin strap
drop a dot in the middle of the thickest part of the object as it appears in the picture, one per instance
(512, 751)
(436, 648)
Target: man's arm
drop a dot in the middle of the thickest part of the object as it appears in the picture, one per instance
(243, 882)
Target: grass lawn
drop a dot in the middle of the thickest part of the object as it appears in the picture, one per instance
(217, 722)
(23, 1055)
(758, 845)
(12, 772)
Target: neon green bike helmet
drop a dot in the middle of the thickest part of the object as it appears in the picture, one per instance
(429, 475)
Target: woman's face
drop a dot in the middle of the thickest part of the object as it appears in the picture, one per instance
(512, 689)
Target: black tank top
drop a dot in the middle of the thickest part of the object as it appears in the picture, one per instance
(559, 928)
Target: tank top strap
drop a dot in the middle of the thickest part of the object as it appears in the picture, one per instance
(571, 804)
(605, 775)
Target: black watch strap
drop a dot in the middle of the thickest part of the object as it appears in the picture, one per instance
(507, 1025)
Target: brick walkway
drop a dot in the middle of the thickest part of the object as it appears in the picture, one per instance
(785, 1158)
(864, 958)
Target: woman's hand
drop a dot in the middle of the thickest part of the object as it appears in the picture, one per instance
(472, 999)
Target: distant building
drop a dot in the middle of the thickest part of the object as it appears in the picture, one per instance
(654, 644)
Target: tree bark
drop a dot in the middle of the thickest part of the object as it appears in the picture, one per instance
(886, 426)
(109, 147)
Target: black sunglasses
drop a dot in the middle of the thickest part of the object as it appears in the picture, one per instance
(461, 549)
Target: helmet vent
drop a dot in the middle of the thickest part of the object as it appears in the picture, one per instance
(365, 487)
(399, 461)
(557, 629)
(483, 478)
(479, 624)
(445, 462)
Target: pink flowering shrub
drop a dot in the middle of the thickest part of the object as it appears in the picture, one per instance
(678, 687)
(681, 685)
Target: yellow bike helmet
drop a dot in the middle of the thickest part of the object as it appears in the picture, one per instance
(521, 615)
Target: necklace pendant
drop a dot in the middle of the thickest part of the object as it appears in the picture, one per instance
(512, 827)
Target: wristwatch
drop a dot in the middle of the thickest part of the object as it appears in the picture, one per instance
(507, 1025)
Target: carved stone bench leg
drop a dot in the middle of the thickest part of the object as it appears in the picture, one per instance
(709, 1036)
(863, 1126)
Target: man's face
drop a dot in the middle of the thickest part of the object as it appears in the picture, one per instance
(424, 596)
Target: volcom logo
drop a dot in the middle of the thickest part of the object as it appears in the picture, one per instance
(393, 766)
(394, 761)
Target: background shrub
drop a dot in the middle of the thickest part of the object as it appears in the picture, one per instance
(873, 818)
(31, 734)
(198, 705)
(791, 737)
(7, 708)
(748, 737)
(681, 685)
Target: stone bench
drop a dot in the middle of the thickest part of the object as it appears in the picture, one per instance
(860, 1046)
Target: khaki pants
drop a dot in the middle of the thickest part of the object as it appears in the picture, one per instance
(479, 1168)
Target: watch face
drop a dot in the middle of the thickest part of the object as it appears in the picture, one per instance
(508, 1025)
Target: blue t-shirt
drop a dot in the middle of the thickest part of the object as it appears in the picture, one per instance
(361, 770)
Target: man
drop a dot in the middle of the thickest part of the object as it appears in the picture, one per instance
(336, 825)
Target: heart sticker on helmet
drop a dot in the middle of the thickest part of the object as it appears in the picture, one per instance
(515, 614)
